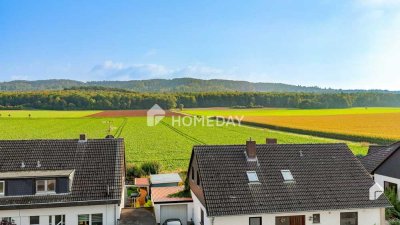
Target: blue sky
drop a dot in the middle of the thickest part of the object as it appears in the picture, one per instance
(328, 43)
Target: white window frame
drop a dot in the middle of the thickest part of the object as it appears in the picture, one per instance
(91, 217)
(287, 176)
(46, 191)
(2, 192)
(252, 176)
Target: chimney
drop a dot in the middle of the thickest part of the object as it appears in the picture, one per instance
(82, 138)
(109, 136)
(251, 150)
(271, 141)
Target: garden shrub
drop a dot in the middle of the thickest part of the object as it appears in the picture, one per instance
(393, 214)
(151, 167)
(133, 171)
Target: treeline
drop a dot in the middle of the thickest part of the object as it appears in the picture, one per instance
(179, 85)
(102, 99)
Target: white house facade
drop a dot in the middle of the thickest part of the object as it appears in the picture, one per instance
(373, 216)
(93, 214)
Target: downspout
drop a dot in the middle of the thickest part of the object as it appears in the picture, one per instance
(115, 214)
(212, 220)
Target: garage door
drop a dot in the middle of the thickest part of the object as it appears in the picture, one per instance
(172, 212)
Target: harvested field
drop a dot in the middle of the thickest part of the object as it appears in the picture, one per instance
(129, 113)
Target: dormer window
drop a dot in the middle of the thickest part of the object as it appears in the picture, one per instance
(45, 186)
(287, 176)
(2, 187)
(252, 176)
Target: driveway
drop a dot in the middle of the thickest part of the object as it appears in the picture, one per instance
(137, 217)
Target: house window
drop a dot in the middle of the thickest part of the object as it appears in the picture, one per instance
(2, 187)
(192, 173)
(201, 217)
(83, 219)
(316, 218)
(45, 186)
(255, 221)
(252, 176)
(50, 220)
(60, 220)
(34, 220)
(97, 219)
(287, 175)
(93, 219)
(349, 218)
(8, 221)
(198, 179)
(390, 186)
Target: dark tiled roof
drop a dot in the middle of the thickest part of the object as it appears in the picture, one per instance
(375, 148)
(98, 163)
(327, 177)
(377, 157)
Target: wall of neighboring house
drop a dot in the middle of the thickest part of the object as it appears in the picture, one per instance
(197, 206)
(380, 179)
(375, 216)
(111, 213)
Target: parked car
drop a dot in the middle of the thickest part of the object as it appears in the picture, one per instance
(172, 222)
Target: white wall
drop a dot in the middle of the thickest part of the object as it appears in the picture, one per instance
(196, 212)
(380, 179)
(110, 213)
(365, 216)
(157, 208)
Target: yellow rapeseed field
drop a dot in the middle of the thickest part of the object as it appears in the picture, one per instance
(384, 125)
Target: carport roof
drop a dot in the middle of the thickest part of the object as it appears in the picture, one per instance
(165, 178)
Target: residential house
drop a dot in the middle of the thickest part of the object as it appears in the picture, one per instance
(282, 184)
(383, 163)
(57, 182)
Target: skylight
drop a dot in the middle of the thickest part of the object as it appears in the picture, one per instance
(252, 175)
(287, 175)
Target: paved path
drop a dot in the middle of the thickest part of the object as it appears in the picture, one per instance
(137, 217)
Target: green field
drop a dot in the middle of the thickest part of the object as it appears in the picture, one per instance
(45, 113)
(170, 145)
(288, 112)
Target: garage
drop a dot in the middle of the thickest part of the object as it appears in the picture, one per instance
(167, 207)
(173, 211)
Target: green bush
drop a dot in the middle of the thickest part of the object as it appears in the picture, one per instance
(151, 167)
(148, 204)
(133, 171)
(394, 222)
(393, 213)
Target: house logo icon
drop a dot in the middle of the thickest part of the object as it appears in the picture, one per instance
(155, 115)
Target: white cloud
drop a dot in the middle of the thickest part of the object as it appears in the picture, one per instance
(110, 70)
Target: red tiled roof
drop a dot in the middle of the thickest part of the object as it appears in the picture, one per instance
(142, 182)
(160, 194)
